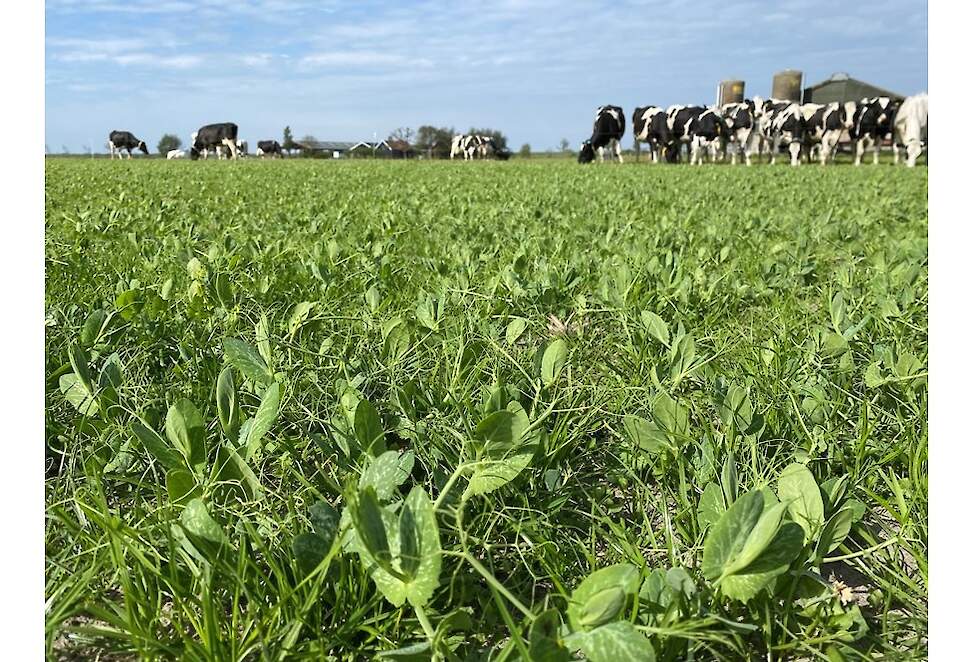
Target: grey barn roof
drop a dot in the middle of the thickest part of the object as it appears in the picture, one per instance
(843, 87)
(326, 145)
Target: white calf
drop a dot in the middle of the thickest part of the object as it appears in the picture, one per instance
(910, 128)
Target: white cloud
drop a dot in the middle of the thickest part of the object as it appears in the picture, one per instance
(362, 59)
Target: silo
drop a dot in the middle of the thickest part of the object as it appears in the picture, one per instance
(787, 85)
(730, 91)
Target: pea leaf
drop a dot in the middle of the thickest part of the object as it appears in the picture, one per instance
(730, 533)
(368, 429)
(227, 403)
(181, 486)
(387, 472)
(614, 642)
(797, 487)
(515, 329)
(325, 520)
(503, 449)
(205, 533)
(185, 430)
(554, 358)
(246, 359)
(156, 445)
(711, 506)
(774, 561)
(737, 411)
(264, 420)
(80, 397)
(309, 551)
(600, 598)
(655, 327)
(836, 530)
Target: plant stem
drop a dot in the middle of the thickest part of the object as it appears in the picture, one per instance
(489, 577)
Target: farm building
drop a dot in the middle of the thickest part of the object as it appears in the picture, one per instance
(333, 148)
(842, 87)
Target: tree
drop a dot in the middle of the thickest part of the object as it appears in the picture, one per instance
(525, 151)
(564, 145)
(167, 143)
(436, 142)
(404, 133)
(288, 144)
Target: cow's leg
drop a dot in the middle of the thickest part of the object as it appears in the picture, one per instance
(617, 144)
(876, 151)
(860, 148)
(233, 148)
(896, 153)
(795, 150)
(826, 147)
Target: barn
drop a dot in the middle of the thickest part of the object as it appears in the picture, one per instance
(842, 87)
(325, 148)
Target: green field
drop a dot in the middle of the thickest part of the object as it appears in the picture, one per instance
(347, 410)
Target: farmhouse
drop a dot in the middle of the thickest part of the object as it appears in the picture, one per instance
(334, 148)
(842, 87)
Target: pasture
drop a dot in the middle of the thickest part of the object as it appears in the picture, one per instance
(346, 410)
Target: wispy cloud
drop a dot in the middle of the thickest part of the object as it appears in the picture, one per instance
(375, 59)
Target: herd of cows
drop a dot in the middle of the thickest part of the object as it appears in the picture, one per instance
(759, 126)
(753, 127)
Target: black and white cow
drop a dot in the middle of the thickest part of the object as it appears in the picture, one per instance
(781, 122)
(470, 147)
(649, 126)
(910, 128)
(873, 123)
(215, 136)
(709, 134)
(825, 125)
(120, 141)
(609, 127)
(682, 124)
(740, 122)
(269, 147)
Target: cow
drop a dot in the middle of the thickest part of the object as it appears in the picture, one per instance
(873, 123)
(609, 127)
(176, 154)
(269, 147)
(681, 124)
(826, 124)
(214, 136)
(465, 146)
(708, 134)
(740, 122)
(910, 128)
(649, 125)
(120, 141)
(781, 121)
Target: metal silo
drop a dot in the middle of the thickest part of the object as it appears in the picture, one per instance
(730, 91)
(787, 85)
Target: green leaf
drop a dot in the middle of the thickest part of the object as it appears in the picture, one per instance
(773, 562)
(545, 645)
(325, 520)
(387, 472)
(264, 420)
(420, 555)
(203, 531)
(262, 339)
(185, 430)
(601, 597)
(78, 396)
(797, 488)
(157, 446)
(615, 642)
(79, 363)
(227, 403)
(246, 359)
(729, 479)
(503, 449)
(646, 435)
(309, 551)
(181, 486)
(711, 506)
(727, 537)
(235, 475)
(299, 315)
(554, 358)
(655, 327)
(92, 328)
(368, 519)
(737, 411)
(368, 429)
(836, 530)
(760, 537)
(515, 329)
(838, 312)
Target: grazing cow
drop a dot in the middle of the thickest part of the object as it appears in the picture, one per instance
(910, 128)
(609, 127)
(120, 141)
(649, 125)
(825, 125)
(176, 154)
(781, 122)
(680, 128)
(214, 136)
(269, 147)
(740, 122)
(874, 121)
(471, 147)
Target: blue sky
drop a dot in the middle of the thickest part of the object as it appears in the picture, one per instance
(535, 69)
